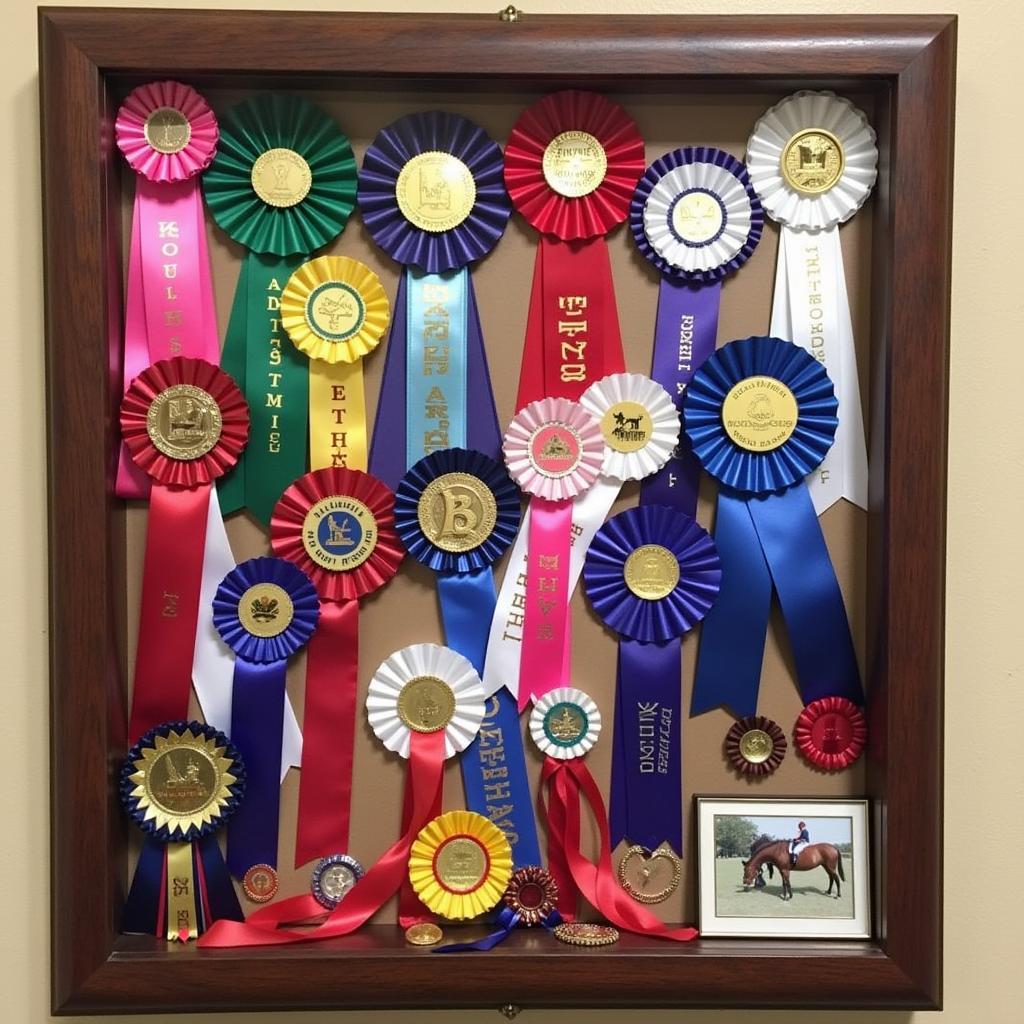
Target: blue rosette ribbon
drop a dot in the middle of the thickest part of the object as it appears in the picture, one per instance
(696, 218)
(434, 505)
(651, 573)
(180, 783)
(432, 195)
(766, 528)
(265, 610)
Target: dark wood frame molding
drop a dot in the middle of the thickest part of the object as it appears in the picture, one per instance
(86, 56)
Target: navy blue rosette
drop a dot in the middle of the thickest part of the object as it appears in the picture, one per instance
(761, 414)
(180, 783)
(265, 609)
(696, 217)
(651, 573)
(432, 195)
(456, 512)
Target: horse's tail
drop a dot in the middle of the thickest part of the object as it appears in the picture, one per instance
(839, 864)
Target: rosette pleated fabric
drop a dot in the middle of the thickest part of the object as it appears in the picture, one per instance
(761, 415)
(184, 424)
(651, 575)
(179, 784)
(813, 162)
(696, 218)
(456, 512)
(432, 196)
(265, 610)
(337, 526)
(282, 186)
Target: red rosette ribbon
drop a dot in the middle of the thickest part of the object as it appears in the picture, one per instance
(571, 164)
(184, 423)
(337, 525)
(831, 733)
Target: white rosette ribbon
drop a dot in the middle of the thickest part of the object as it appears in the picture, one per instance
(571, 700)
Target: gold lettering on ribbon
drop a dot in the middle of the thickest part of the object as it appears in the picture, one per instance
(167, 233)
(275, 396)
(574, 328)
(436, 363)
(339, 414)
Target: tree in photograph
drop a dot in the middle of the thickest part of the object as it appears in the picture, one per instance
(733, 835)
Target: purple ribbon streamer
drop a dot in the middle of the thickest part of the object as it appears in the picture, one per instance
(684, 336)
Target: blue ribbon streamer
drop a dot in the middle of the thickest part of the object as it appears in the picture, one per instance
(507, 921)
(220, 893)
(142, 908)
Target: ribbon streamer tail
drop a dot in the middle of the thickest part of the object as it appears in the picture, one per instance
(387, 449)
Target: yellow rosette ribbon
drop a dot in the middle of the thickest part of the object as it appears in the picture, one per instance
(335, 311)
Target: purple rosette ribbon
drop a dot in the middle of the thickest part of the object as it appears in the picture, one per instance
(651, 573)
(266, 610)
(696, 217)
(432, 195)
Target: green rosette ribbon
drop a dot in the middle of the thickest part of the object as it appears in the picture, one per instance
(283, 185)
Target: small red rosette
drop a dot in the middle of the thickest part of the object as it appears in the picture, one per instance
(577, 120)
(831, 733)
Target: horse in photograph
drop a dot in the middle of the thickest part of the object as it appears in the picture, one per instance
(776, 855)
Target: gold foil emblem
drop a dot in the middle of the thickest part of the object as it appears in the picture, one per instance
(435, 191)
(759, 414)
(574, 164)
(812, 161)
(426, 704)
(566, 724)
(339, 533)
(184, 422)
(697, 217)
(756, 746)
(423, 934)
(265, 610)
(335, 311)
(461, 864)
(650, 877)
(626, 427)
(457, 512)
(282, 178)
(651, 572)
(167, 130)
(183, 781)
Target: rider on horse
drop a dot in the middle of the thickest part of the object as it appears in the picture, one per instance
(802, 838)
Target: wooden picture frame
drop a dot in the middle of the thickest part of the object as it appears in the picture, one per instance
(908, 64)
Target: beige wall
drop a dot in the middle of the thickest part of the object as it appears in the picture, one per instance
(985, 687)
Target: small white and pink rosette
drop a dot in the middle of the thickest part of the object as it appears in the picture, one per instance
(639, 423)
(810, 111)
(554, 449)
(425, 688)
(565, 723)
(173, 112)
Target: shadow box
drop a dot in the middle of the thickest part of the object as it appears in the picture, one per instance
(686, 81)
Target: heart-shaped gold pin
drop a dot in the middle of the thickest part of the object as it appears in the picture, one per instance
(650, 876)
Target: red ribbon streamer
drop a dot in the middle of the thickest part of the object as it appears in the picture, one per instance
(171, 578)
(410, 909)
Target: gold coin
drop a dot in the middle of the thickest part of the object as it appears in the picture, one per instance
(760, 414)
(339, 533)
(457, 512)
(461, 864)
(281, 177)
(426, 704)
(265, 610)
(425, 934)
(650, 877)
(579, 933)
(574, 164)
(167, 130)
(184, 422)
(697, 217)
(183, 780)
(435, 191)
(812, 161)
(756, 746)
(626, 427)
(651, 572)
(335, 311)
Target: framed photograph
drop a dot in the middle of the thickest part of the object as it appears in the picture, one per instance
(784, 868)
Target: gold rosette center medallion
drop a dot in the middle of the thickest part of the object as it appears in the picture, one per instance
(759, 414)
(651, 572)
(457, 512)
(339, 533)
(461, 864)
(281, 177)
(697, 217)
(435, 191)
(626, 427)
(265, 610)
(426, 704)
(184, 422)
(167, 130)
(812, 161)
(574, 164)
(756, 746)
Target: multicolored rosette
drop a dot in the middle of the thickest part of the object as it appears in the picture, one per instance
(337, 526)
(696, 217)
(831, 733)
(265, 610)
(571, 163)
(456, 512)
(432, 195)
(813, 161)
(283, 185)
(761, 415)
(652, 573)
(180, 783)
(554, 450)
(335, 311)
(184, 423)
(168, 134)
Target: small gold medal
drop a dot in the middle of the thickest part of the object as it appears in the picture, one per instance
(626, 427)
(457, 512)
(697, 217)
(167, 130)
(339, 533)
(435, 191)
(756, 746)
(461, 864)
(265, 610)
(812, 161)
(426, 704)
(760, 414)
(184, 422)
(425, 934)
(650, 877)
(651, 572)
(579, 933)
(574, 164)
(281, 178)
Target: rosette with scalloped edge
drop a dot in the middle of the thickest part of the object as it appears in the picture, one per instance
(565, 723)
(831, 733)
